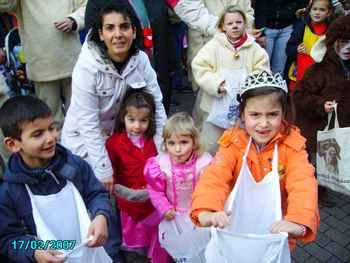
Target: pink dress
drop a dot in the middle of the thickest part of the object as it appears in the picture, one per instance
(171, 185)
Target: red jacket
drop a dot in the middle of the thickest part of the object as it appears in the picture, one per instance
(128, 162)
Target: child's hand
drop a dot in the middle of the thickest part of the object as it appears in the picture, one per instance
(222, 88)
(48, 256)
(289, 227)
(302, 49)
(108, 183)
(329, 106)
(300, 12)
(170, 214)
(99, 231)
(217, 219)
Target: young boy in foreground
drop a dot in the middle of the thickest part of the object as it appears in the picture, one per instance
(48, 195)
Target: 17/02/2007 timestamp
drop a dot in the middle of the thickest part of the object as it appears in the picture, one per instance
(43, 245)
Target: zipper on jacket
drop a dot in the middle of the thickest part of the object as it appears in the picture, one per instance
(53, 175)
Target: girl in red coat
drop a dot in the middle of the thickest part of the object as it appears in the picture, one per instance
(129, 148)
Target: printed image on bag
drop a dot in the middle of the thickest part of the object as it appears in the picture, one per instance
(333, 155)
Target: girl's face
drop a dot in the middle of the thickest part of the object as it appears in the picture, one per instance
(136, 120)
(233, 26)
(179, 147)
(263, 117)
(342, 48)
(118, 35)
(320, 11)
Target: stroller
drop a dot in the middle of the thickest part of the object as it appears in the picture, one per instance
(15, 72)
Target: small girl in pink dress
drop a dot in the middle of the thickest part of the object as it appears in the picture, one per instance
(173, 174)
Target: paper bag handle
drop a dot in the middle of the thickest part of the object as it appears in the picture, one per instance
(336, 122)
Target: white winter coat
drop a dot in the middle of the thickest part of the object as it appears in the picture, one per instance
(97, 93)
(219, 54)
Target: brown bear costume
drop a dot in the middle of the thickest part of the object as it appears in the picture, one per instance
(325, 81)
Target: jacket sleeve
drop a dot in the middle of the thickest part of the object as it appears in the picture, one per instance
(153, 88)
(12, 230)
(215, 184)
(196, 16)
(111, 145)
(308, 93)
(295, 40)
(8, 5)
(204, 67)
(301, 187)
(83, 87)
(94, 193)
(79, 13)
(156, 185)
(261, 59)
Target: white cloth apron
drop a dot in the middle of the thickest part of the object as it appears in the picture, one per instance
(63, 216)
(255, 207)
(184, 241)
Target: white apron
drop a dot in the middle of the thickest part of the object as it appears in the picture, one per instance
(63, 216)
(255, 207)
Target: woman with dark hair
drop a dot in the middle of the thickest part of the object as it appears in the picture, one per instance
(110, 63)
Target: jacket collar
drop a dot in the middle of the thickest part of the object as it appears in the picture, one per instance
(92, 57)
(222, 39)
(18, 172)
(239, 138)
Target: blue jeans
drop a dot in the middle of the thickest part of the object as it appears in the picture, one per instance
(276, 42)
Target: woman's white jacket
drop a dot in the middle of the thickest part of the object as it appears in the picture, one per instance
(97, 93)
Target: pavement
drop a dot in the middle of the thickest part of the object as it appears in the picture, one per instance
(333, 238)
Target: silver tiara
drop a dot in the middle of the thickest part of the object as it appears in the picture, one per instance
(263, 79)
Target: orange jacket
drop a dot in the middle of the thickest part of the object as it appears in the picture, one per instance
(298, 184)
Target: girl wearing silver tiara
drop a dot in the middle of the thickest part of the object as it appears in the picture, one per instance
(222, 64)
(260, 181)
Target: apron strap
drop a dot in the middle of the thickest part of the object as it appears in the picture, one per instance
(247, 148)
(275, 159)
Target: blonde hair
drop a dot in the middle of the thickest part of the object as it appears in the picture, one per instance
(231, 10)
(181, 123)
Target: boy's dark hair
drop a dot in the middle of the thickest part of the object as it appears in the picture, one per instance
(18, 110)
(139, 99)
(127, 12)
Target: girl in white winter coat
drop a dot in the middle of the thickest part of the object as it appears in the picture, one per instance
(222, 63)
(109, 64)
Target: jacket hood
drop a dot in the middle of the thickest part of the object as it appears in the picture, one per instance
(222, 39)
(93, 57)
(18, 172)
(339, 29)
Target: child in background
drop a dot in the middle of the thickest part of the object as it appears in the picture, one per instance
(47, 192)
(129, 148)
(222, 63)
(173, 174)
(305, 34)
(261, 142)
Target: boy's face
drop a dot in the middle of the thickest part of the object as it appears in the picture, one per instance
(38, 142)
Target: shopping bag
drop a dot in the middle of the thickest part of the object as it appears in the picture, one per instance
(184, 241)
(333, 156)
(225, 109)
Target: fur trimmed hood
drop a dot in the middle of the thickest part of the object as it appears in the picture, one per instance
(340, 28)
